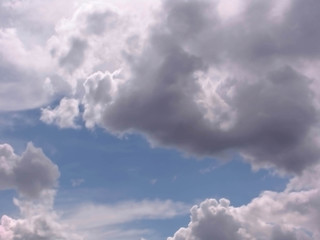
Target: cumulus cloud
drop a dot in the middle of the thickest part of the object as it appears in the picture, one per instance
(30, 174)
(62, 49)
(38, 221)
(211, 79)
(291, 214)
(34, 176)
(64, 115)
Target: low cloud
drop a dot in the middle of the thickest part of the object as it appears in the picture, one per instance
(209, 81)
(34, 176)
(64, 115)
(30, 174)
(291, 214)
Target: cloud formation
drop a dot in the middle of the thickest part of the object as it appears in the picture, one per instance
(38, 221)
(34, 176)
(292, 214)
(211, 79)
(30, 174)
(64, 115)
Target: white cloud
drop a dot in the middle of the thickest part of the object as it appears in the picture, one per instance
(291, 214)
(38, 221)
(90, 216)
(64, 115)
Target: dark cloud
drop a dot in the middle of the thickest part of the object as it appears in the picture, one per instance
(261, 104)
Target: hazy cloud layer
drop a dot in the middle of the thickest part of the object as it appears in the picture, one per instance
(293, 214)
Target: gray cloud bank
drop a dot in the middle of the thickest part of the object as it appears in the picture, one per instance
(210, 80)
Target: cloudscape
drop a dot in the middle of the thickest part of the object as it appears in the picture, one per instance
(162, 119)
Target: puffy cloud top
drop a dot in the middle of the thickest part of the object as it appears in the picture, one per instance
(292, 214)
(30, 174)
(211, 80)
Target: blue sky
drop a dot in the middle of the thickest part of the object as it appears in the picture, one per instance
(149, 120)
(101, 168)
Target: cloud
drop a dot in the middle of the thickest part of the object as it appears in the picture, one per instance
(30, 174)
(64, 115)
(210, 80)
(90, 216)
(291, 214)
(113, 221)
(34, 176)
(38, 221)
(62, 48)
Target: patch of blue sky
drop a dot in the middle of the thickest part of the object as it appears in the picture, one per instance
(109, 169)
(128, 168)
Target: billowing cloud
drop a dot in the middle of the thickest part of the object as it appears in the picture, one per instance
(42, 60)
(38, 221)
(30, 174)
(291, 214)
(34, 176)
(64, 115)
(211, 79)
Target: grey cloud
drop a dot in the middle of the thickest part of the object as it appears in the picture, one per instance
(24, 84)
(75, 56)
(262, 104)
(30, 174)
(99, 22)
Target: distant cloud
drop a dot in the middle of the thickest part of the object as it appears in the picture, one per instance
(30, 174)
(77, 182)
(292, 214)
(34, 177)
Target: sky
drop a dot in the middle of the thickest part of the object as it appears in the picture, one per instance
(159, 120)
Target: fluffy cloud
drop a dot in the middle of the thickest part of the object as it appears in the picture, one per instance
(38, 221)
(63, 115)
(30, 174)
(42, 60)
(291, 214)
(211, 79)
(34, 176)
